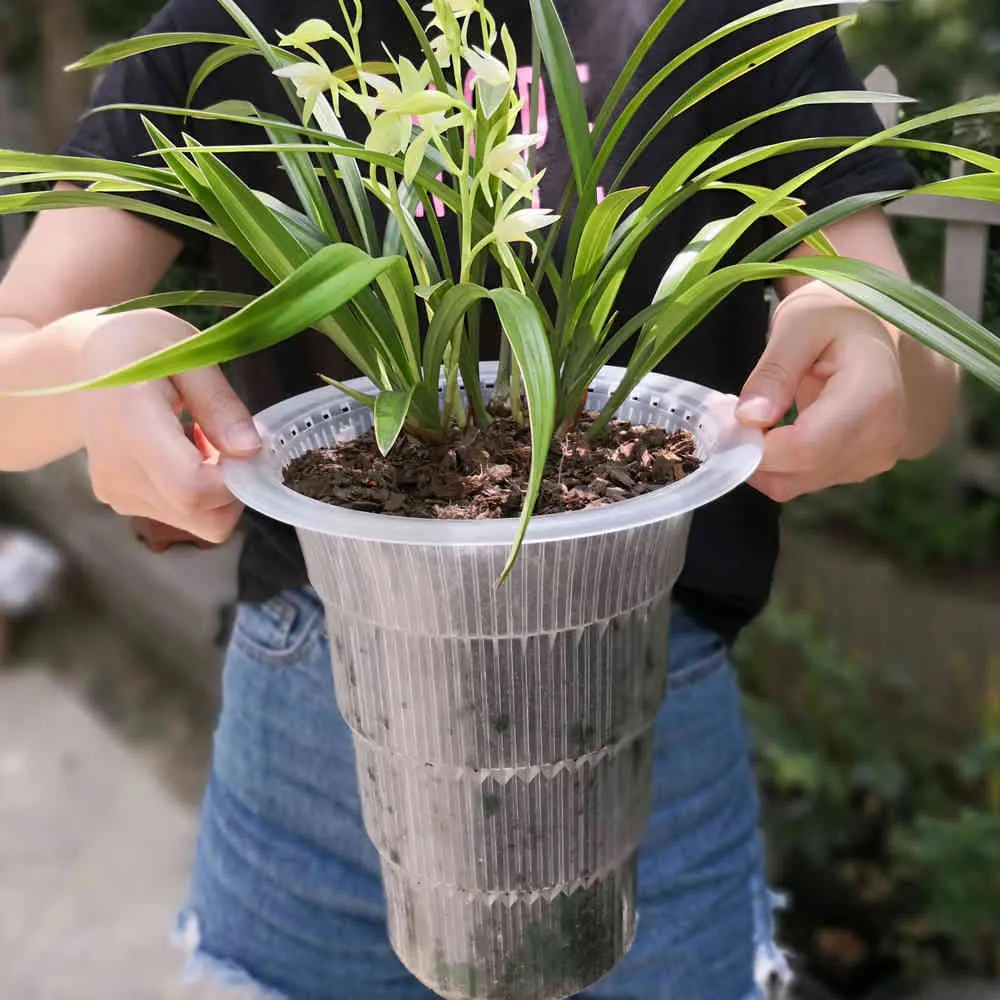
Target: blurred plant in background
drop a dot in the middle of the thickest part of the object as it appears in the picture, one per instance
(886, 838)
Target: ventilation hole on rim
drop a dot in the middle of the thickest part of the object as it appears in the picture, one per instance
(654, 402)
(687, 416)
(309, 423)
(345, 408)
(673, 409)
(294, 432)
(281, 441)
(325, 415)
(488, 385)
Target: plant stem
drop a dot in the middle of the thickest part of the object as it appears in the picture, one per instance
(417, 261)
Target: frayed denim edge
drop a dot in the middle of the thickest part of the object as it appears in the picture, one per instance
(772, 971)
(186, 936)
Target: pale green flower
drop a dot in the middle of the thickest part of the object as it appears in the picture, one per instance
(507, 162)
(494, 79)
(514, 228)
(441, 49)
(488, 68)
(307, 33)
(392, 106)
(311, 81)
(410, 96)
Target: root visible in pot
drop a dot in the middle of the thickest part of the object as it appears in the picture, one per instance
(481, 473)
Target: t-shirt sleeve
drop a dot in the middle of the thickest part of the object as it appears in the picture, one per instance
(153, 78)
(822, 65)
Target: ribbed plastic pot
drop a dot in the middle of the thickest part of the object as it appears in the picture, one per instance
(503, 734)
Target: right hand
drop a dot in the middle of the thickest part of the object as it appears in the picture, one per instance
(142, 462)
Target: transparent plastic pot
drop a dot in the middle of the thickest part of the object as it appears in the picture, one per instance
(503, 735)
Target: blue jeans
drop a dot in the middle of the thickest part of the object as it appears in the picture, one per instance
(285, 892)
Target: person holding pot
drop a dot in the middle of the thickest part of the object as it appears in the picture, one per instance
(285, 891)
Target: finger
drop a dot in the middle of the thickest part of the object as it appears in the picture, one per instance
(177, 472)
(219, 412)
(770, 390)
(782, 487)
(845, 420)
(212, 525)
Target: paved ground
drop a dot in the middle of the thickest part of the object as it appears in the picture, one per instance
(94, 843)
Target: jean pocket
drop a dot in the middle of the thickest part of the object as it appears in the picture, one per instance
(278, 632)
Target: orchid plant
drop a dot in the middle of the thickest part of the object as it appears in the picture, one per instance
(391, 297)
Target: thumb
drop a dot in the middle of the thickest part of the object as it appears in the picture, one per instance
(218, 411)
(770, 390)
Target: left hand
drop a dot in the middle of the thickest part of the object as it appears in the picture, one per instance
(840, 364)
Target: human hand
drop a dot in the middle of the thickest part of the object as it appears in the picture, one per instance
(840, 365)
(142, 463)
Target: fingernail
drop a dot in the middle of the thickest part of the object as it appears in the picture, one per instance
(755, 410)
(242, 437)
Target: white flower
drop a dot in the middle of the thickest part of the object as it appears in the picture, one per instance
(307, 33)
(460, 8)
(441, 50)
(311, 81)
(506, 161)
(515, 227)
(488, 68)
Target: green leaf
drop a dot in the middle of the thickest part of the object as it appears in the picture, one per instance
(354, 187)
(561, 66)
(396, 285)
(391, 409)
(927, 317)
(788, 239)
(214, 62)
(108, 54)
(853, 144)
(356, 209)
(979, 187)
(920, 313)
(246, 214)
(719, 77)
(302, 173)
(91, 181)
(526, 332)
(685, 166)
(177, 300)
(305, 232)
(712, 255)
(320, 287)
(454, 305)
(12, 160)
(364, 398)
(591, 254)
(40, 201)
(788, 211)
(402, 232)
(597, 234)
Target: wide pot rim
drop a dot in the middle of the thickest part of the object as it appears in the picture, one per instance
(297, 425)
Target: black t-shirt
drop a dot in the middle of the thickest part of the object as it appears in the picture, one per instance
(734, 542)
